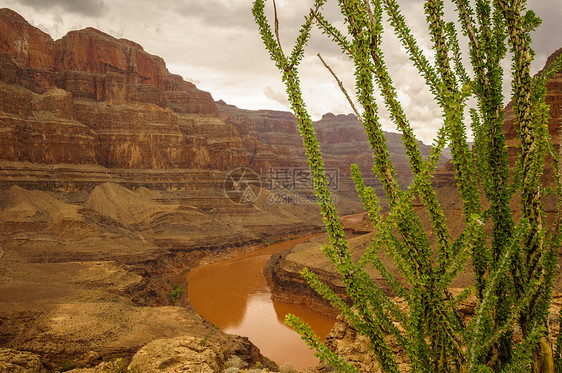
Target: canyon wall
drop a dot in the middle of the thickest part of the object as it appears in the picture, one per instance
(112, 187)
(271, 140)
(109, 111)
(91, 99)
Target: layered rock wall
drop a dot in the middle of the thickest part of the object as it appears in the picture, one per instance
(271, 140)
(92, 99)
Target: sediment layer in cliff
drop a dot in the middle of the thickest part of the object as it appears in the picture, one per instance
(91, 99)
(271, 140)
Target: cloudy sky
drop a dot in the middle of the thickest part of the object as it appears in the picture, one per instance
(215, 44)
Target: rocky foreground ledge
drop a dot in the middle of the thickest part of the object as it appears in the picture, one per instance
(177, 354)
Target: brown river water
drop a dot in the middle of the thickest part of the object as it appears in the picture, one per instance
(234, 296)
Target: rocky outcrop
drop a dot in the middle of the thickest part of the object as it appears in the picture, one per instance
(28, 46)
(179, 354)
(90, 98)
(20, 362)
(27, 55)
(96, 66)
(270, 138)
(187, 354)
(344, 142)
(55, 128)
(93, 65)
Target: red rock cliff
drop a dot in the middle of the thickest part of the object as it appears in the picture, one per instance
(271, 139)
(28, 46)
(90, 98)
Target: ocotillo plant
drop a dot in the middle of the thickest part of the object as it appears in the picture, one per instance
(514, 260)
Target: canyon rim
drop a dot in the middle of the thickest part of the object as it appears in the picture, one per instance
(112, 186)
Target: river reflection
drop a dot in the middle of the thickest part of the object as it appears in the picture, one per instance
(234, 296)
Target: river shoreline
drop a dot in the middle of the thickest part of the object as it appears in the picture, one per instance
(250, 310)
(233, 295)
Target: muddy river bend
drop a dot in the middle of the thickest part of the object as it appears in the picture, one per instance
(234, 296)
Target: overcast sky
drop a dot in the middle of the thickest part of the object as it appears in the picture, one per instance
(215, 44)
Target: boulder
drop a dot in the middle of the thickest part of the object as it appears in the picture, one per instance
(14, 361)
(180, 354)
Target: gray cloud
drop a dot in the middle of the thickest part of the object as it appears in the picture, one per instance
(277, 96)
(223, 13)
(91, 8)
(546, 39)
(216, 44)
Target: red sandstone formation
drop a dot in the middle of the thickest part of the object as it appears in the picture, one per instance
(343, 141)
(271, 140)
(92, 99)
(93, 65)
(89, 98)
(29, 47)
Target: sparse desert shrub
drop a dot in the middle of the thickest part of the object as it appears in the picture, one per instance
(235, 361)
(205, 339)
(513, 254)
(175, 293)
